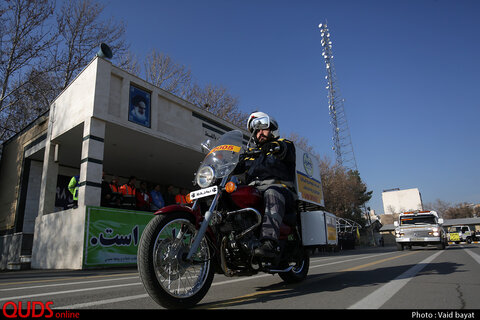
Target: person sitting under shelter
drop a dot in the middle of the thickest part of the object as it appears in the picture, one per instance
(157, 199)
(143, 197)
(128, 192)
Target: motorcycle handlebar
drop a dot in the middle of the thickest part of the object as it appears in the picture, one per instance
(257, 151)
(252, 152)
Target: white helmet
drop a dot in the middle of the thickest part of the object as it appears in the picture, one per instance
(258, 114)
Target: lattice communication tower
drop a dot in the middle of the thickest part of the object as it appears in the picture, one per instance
(342, 142)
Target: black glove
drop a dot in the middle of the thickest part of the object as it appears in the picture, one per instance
(272, 147)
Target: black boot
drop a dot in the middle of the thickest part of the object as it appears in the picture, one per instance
(268, 249)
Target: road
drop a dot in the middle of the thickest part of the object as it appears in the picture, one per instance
(365, 278)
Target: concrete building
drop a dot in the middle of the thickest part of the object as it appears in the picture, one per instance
(106, 120)
(397, 201)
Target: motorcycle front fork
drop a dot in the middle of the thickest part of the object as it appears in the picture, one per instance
(206, 221)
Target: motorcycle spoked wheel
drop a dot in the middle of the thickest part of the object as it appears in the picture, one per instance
(300, 270)
(171, 281)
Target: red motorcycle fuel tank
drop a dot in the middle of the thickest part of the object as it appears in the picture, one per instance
(247, 197)
(250, 197)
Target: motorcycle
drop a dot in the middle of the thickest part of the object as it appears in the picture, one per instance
(182, 247)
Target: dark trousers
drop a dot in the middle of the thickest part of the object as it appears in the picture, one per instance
(277, 201)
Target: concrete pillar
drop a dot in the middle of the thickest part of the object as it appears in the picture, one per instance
(91, 166)
(48, 187)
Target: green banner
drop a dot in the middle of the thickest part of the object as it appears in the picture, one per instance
(112, 236)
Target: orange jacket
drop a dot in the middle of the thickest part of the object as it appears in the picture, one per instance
(115, 188)
(180, 199)
(127, 190)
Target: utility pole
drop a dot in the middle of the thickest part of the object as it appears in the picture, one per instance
(342, 142)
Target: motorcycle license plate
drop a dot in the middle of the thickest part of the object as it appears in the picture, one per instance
(203, 193)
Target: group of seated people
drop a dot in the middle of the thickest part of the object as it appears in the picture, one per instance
(129, 196)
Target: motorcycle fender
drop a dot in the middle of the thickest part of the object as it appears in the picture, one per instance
(176, 207)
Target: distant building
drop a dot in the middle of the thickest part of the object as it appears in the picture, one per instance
(397, 201)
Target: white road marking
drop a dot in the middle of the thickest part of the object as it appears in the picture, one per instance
(69, 283)
(378, 298)
(101, 302)
(472, 254)
(97, 303)
(121, 299)
(67, 291)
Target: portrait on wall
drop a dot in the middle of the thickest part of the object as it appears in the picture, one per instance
(139, 108)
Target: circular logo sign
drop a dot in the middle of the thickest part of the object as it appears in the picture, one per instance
(308, 164)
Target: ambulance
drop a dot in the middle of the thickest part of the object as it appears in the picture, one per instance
(419, 228)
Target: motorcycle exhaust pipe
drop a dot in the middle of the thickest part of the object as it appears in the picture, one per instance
(248, 230)
(223, 260)
(281, 271)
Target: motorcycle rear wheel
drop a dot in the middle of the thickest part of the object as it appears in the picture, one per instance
(300, 270)
(169, 279)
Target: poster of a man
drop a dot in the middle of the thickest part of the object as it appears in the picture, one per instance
(139, 108)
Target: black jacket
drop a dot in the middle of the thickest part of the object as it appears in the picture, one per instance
(275, 164)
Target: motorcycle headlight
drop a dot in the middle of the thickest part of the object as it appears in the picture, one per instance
(205, 176)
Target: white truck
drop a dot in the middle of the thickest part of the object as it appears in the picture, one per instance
(459, 234)
(419, 228)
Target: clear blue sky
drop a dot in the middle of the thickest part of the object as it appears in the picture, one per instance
(409, 72)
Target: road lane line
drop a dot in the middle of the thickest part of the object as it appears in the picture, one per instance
(311, 267)
(378, 261)
(68, 291)
(101, 302)
(378, 298)
(472, 254)
(67, 284)
(69, 278)
(236, 300)
(353, 259)
(96, 303)
(240, 299)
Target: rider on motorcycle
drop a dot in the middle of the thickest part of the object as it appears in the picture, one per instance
(272, 172)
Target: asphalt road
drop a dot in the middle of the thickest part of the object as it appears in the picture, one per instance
(368, 278)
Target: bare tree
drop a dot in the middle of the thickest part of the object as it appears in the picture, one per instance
(344, 191)
(440, 206)
(40, 57)
(37, 63)
(31, 99)
(24, 42)
(452, 211)
(129, 62)
(162, 71)
(218, 101)
(303, 143)
(82, 31)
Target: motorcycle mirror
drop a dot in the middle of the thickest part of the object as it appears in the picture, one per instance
(206, 145)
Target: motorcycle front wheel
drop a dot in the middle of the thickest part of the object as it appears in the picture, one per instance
(169, 279)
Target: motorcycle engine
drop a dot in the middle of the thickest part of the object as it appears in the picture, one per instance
(239, 249)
